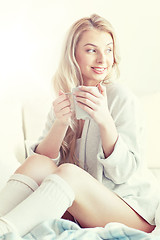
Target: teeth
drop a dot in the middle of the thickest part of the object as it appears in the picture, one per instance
(99, 69)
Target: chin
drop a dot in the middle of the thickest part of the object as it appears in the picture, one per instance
(100, 79)
(94, 80)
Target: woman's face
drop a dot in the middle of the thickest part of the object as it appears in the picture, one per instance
(94, 55)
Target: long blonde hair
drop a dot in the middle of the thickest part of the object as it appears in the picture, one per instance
(68, 74)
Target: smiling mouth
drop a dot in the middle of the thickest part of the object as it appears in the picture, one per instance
(99, 69)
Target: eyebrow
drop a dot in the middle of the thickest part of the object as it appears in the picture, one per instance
(93, 45)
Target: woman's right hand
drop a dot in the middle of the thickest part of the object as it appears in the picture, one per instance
(62, 109)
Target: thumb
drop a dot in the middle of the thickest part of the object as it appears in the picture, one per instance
(61, 92)
(102, 89)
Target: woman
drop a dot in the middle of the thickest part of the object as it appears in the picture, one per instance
(89, 170)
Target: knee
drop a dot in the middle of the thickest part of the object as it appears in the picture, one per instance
(37, 167)
(68, 169)
(70, 172)
(37, 162)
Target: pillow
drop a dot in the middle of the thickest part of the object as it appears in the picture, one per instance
(35, 111)
(151, 107)
(12, 150)
(8, 165)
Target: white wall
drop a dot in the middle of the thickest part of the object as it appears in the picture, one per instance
(32, 31)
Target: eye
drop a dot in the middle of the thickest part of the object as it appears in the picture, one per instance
(109, 50)
(91, 50)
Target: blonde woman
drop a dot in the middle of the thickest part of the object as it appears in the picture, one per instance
(88, 169)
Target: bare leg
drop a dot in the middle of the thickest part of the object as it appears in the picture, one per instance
(37, 167)
(95, 205)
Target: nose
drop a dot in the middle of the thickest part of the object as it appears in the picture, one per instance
(101, 58)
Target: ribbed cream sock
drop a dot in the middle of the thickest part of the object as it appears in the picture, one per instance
(49, 201)
(16, 190)
(6, 227)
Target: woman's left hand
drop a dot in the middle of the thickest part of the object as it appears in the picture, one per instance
(94, 101)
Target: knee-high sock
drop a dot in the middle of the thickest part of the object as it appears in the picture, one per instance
(49, 201)
(16, 190)
(6, 227)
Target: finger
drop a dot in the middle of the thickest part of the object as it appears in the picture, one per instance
(61, 98)
(86, 108)
(64, 114)
(61, 107)
(92, 90)
(87, 102)
(83, 96)
(65, 111)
